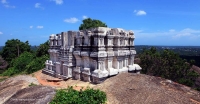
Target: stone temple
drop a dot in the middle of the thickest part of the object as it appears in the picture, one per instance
(91, 55)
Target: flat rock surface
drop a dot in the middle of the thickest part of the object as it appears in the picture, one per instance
(9, 87)
(129, 88)
(33, 95)
(16, 90)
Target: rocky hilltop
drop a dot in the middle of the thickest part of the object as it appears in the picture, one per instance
(130, 88)
(17, 90)
(125, 88)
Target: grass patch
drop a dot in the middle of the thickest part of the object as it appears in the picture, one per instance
(2, 79)
(32, 84)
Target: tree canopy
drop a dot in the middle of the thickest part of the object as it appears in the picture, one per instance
(3, 64)
(42, 49)
(13, 48)
(168, 65)
(27, 62)
(89, 23)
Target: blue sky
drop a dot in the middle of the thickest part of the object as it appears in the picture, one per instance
(154, 22)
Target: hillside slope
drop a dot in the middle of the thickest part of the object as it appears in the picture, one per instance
(129, 88)
(125, 88)
(16, 90)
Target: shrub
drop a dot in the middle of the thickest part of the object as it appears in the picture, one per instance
(186, 82)
(9, 72)
(71, 96)
(36, 64)
(26, 63)
(20, 62)
(167, 64)
(2, 79)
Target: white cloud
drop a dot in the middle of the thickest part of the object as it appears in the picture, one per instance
(38, 5)
(172, 34)
(138, 31)
(4, 1)
(85, 17)
(31, 27)
(139, 12)
(59, 2)
(71, 20)
(40, 27)
(9, 6)
(1, 32)
(172, 30)
(6, 4)
(190, 33)
(186, 36)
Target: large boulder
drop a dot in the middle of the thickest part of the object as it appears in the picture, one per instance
(32, 95)
(9, 87)
(17, 90)
(131, 88)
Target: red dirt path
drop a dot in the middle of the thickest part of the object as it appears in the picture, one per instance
(43, 79)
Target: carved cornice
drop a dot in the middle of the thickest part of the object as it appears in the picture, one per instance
(98, 54)
(84, 53)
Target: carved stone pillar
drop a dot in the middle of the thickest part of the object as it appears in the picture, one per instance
(77, 69)
(86, 66)
(111, 70)
(121, 62)
(101, 73)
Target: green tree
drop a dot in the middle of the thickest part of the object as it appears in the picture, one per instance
(89, 23)
(18, 65)
(167, 64)
(43, 49)
(3, 64)
(36, 64)
(27, 61)
(13, 48)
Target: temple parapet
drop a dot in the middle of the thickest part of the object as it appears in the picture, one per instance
(91, 55)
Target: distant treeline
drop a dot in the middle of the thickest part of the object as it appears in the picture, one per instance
(185, 52)
(181, 50)
(1, 47)
(34, 48)
(188, 58)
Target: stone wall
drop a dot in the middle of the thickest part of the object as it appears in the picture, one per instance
(92, 54)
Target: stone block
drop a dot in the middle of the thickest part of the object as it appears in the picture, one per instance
(112, 71)
(123, 70)
(86, 74)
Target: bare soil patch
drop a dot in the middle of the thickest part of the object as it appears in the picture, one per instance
(47, 80)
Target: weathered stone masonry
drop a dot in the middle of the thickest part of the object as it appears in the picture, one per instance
(91, 55)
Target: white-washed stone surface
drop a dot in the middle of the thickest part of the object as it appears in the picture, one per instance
(92, 54)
